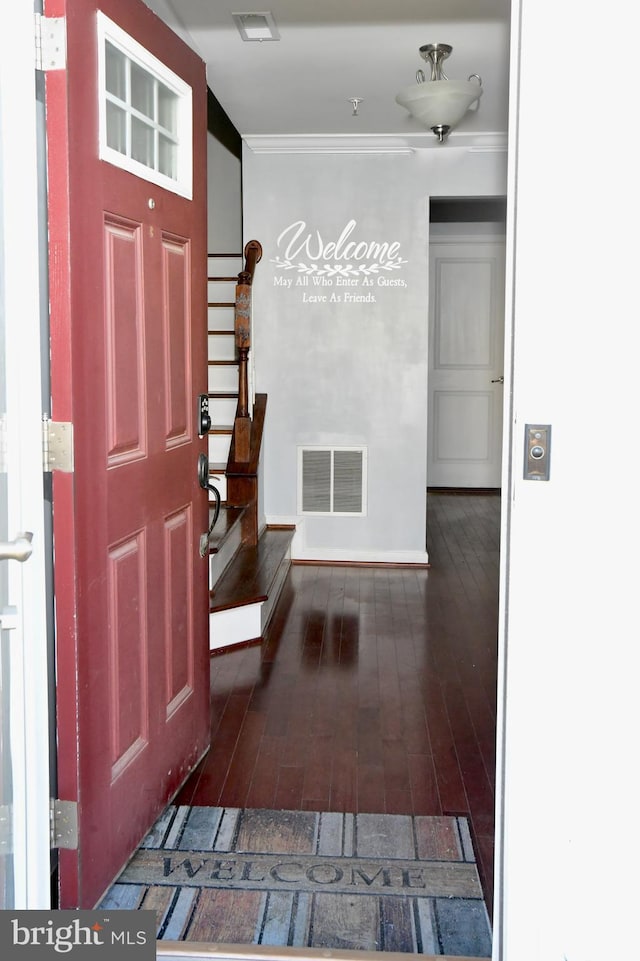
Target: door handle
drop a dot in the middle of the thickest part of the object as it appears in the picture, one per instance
(498, 380)
(203, 480)
(19, 549)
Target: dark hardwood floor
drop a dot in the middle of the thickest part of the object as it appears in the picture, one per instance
(375, 690)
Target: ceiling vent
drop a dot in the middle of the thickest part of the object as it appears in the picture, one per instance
(256, 26)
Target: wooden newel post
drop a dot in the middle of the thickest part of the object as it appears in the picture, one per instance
(243, 382)
(243, 345)
(252, 256)
(242, 432)
(242, 426)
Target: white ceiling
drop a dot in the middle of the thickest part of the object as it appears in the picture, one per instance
(299, 87)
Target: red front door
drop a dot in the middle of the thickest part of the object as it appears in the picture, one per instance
(128, 360)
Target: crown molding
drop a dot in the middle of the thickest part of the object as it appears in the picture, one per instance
(373, 143)
(327, 143)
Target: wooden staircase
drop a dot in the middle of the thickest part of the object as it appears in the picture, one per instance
(247, 564)
(223, 270)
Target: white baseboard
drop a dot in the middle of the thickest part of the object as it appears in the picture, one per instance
(300, 551)
(334, 556)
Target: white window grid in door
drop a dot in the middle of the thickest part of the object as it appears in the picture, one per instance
(145, 112)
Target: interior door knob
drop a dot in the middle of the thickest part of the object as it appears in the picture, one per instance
(498, 380)
(19, 549)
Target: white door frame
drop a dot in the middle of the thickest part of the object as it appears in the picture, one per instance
(532, 889)
(29, 712)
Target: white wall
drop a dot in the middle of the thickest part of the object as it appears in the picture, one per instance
(224, 199)
(344, 372)
(570, 609)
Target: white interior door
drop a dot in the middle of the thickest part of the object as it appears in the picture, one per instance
(24, 730)
(466, 348)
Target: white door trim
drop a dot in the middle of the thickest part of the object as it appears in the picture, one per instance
(26, 588)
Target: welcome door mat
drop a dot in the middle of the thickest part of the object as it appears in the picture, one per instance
(375, 882)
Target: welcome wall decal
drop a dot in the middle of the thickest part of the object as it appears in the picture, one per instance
(348, 261)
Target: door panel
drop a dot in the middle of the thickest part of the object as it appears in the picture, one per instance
(125, 375)
(466, 344)
(128, 362)
(177, 329)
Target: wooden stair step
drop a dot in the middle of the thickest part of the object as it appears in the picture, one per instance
(222, 394)
(251, 576)
(228, 517)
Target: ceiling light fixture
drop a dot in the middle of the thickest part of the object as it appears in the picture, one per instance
(257, 26)
(439, 103)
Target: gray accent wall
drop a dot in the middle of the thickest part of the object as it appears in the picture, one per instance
(350, 369)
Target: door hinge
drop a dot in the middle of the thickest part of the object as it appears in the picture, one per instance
(57, 446)
(6, 833)
(63, 823)
(50, 42)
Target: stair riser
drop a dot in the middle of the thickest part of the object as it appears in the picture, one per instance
(222, 410)
(219, 448)
(224, 266)
(220, 318)
(234, 626)
(221, 347)
(223, 378)
(221, 291)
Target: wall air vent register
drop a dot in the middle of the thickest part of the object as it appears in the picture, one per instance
(332, 480)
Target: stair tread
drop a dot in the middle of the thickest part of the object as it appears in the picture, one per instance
(222, 393)
(221, 429)
(229, 516)
(251, 574)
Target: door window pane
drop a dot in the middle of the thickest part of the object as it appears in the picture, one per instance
(142, 90)
(168, 156)
(116, 128)
(167, 112)
(142, 142)
(145, 112)
(115, 71)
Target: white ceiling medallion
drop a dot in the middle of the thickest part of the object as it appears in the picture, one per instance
(257, 26)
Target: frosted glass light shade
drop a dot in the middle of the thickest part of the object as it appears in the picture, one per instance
(439, 103)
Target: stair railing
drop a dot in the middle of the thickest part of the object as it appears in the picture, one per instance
(242, 426)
